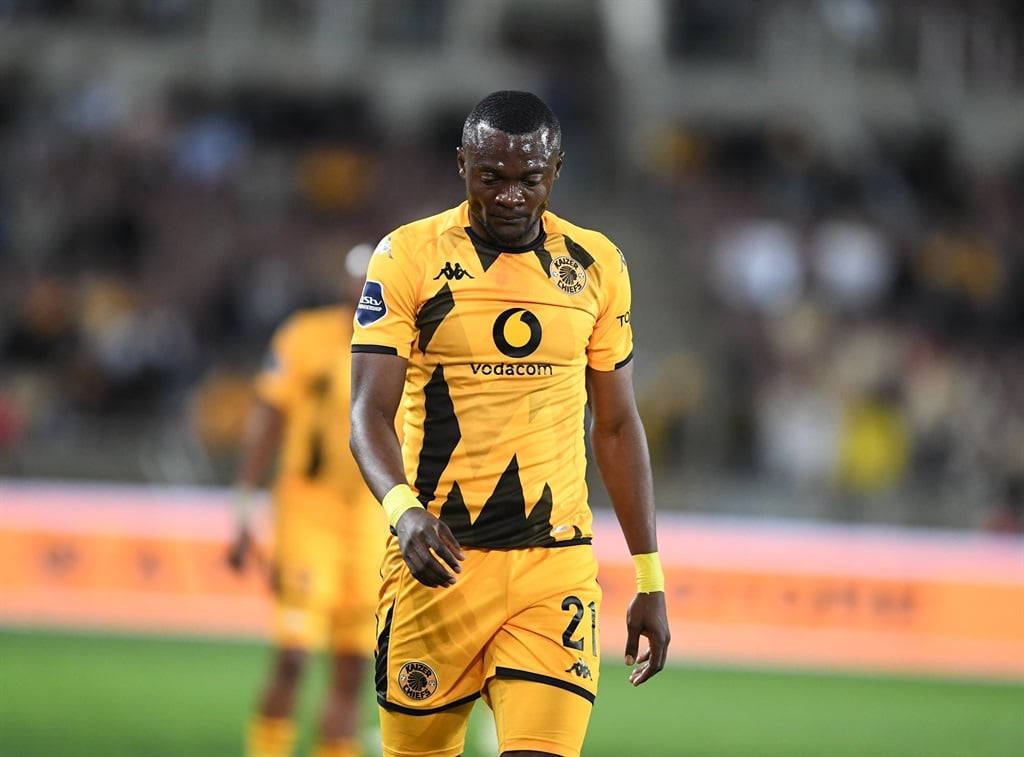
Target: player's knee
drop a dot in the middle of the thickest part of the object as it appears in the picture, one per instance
(289, 665)
(348, 672)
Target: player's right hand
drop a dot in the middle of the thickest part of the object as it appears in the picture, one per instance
(238, 552)
(429, 548)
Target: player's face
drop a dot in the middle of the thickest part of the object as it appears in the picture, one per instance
(508, 183)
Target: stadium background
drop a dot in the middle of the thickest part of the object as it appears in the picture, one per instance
(820, 202)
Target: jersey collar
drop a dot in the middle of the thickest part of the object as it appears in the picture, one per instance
(484, 247)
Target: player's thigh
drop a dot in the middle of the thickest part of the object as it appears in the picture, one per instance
(553, 634)
(352, 627)
(438, 734)
(431, 642)
(355, 603)
(531, 716)
(306, 586)
(544, 663)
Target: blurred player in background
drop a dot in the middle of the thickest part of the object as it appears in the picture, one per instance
(328, 529)
(494, 324)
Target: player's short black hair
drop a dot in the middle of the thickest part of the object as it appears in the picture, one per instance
(513, 112)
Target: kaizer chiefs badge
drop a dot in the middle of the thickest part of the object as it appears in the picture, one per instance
(568, 275)
(417, 680)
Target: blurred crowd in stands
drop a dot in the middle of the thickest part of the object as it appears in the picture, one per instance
(865, 315)
(852, 326)
(146, 259)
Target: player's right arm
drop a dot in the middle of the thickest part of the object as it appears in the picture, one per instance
(377, 383)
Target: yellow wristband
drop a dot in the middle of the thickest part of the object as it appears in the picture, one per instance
(397, 501)
(649, 577)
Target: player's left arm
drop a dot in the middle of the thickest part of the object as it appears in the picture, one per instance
(261, 439)
(620, 451)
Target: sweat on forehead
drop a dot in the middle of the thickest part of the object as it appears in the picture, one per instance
(513, 112)
(484, 135)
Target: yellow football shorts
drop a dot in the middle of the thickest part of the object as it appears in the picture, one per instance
(519, 628)
(327, 558)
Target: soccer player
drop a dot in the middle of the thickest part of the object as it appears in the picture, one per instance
(493, 324)
(329, 530)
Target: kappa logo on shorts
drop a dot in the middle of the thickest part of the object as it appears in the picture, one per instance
(417, 680)
(580, 668)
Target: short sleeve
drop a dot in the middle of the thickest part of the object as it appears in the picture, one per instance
(611, 343)
(280, 376)
(385, 319)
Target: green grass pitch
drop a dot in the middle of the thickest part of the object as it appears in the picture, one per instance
(66, 695)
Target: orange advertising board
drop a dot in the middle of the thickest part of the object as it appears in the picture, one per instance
(738, 591)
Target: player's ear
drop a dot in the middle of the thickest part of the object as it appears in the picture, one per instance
(461, 157)
(558, 162)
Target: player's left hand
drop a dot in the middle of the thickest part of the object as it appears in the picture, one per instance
(648, 617)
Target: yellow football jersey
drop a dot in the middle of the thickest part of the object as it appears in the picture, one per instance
(306, 374)
(497, 341)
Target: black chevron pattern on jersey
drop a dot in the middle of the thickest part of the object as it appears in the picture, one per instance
(432, 314)
(485, 253)
(488, 253)
(503, 522)
(578, 253)
(545, 259)
(441, 435)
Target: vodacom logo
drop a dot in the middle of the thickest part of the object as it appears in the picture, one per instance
(517, 332)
